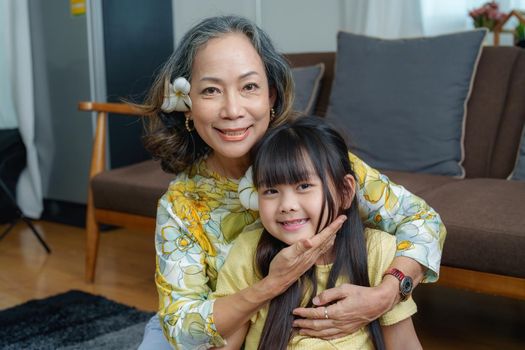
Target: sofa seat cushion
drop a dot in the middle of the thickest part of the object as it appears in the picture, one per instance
(485, 221)
(418, 183)
(133, 189)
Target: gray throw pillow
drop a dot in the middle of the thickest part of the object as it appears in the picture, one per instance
(307, 83)
(403, 102)
(519, 170)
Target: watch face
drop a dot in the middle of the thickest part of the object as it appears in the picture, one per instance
(406, 286)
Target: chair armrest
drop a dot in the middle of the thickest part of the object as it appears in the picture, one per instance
(108, 107)
(98, 154)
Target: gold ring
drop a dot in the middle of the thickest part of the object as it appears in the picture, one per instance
(326, 312)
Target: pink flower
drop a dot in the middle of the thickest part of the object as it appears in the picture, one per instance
(487, 16)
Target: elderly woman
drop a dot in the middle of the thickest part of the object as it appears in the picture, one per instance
(215, 97)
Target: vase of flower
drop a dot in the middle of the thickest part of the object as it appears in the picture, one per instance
(487, 16)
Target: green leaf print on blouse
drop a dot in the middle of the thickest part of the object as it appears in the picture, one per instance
(234, 223)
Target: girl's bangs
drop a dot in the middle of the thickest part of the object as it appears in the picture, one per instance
(282, 161)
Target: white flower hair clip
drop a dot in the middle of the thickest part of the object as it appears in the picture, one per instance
(177, 96)
(248, 195)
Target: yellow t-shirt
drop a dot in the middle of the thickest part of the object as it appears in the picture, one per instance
(239, 269)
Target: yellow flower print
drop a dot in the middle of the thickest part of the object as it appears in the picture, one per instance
(376, 187)
(234, 223)
(195, 226)
(184, 243)
(358, 167)
(193, 202)
(175, 306)
(193, 323)
(193, 276)
(212, 274)
(405, 245)
(164, 289)
(188, 195)
(172, 240)
(379, 189)
(428, 216)
(212, 332)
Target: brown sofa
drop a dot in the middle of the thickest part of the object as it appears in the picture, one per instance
(484, 213)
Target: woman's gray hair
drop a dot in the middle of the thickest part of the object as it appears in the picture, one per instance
(277, 69)
(167, 138)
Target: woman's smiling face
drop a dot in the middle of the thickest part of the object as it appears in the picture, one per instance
(230, 95)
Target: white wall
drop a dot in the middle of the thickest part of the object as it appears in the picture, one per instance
(186, 13)
(294, 25)
(303, 25)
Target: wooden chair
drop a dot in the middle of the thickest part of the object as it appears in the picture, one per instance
(111, 213)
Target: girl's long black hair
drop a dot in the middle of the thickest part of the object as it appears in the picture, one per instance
(282, 156)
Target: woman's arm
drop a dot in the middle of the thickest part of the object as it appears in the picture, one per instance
(235, 341)
(401, 336)
(182, 284)
(391, 208)
(388, 207)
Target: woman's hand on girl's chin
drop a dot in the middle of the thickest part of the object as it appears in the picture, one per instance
(293, 261)
(349, 307)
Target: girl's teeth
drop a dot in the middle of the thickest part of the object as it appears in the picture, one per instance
(295, 222)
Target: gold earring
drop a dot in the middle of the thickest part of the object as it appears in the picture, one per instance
(272, 113)
(187, 123)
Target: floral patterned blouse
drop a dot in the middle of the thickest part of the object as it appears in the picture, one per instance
(200, 216)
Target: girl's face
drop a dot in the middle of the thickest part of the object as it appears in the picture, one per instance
(230, 96)
(292, 212)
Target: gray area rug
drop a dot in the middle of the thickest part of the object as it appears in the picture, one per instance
(72, 320)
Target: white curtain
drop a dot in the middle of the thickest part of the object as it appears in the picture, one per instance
(389, 19)
(8, 118)
(411, 18)
(16, 55)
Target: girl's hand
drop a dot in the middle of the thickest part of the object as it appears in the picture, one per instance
(293, 261)
(349, 307)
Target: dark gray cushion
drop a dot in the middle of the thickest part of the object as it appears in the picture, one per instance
(519, 170)
(403, 102)
(307, 80)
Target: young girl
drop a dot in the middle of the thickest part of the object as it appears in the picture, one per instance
(304, 179)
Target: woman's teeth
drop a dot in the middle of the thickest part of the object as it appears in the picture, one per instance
(233, 133)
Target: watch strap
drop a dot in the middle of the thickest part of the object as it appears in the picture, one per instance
(405, 282)
(396, 273)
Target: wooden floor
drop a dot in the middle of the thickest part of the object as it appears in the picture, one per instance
(446, 318)
(126, 265)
